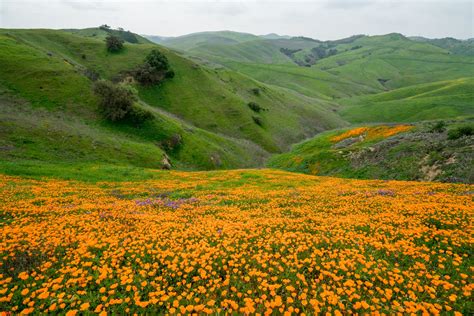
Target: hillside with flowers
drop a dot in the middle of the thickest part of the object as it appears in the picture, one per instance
(429, 151)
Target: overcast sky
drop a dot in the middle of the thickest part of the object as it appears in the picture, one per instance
(321, 19)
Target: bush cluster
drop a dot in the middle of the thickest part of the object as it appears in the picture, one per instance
(255, 107)
(116, 103)
(460, 131)
(114, 43)
(155, 69)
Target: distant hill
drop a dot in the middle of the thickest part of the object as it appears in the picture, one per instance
(194, 40)
(275, 36)
(103, 31)
(455, 46)
(348, 68)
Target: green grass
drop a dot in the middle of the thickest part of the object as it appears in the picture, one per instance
(445, 99)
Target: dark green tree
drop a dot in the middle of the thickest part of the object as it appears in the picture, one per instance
(115, 101)
(114, 43)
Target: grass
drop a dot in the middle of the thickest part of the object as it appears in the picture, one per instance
(445, 99)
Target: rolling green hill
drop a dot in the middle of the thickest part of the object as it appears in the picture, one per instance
(260, 96)
(442, 99)
(190, 41)
(455, 46)
(350, 70)
(49, 73)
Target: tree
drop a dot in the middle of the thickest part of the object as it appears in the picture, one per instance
(157, 60)
(116, 101)
(154, 70)
(114, 44)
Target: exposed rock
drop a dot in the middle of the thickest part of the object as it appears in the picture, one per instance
(165, 163)
(348, 142)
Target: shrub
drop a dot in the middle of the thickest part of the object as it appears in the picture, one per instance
(116, 101)
(255, 107)
(169, 74)
(114, 44)
(146, 75)
(257, 120)
(439, 127)
(255, 91)
(154, 70)
(157, 60)
(138, 116)
(460, 132)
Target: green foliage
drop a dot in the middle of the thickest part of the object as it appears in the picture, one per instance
(154, 70)
(257, 120)
(439, 127)
(254, 107)
(114, 44)
(138, 115)
(157, 60)
(116, 101)
(458, 132)
(255, 91)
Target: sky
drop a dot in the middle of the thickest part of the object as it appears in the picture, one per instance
(320, 19)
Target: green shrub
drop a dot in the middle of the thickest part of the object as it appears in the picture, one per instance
(155, 69)
(257, 120)
(255, 91)
(255, 107)
(460, 132)
(157, 60)
(147, 75)
(116, 101)
(439, 127)
(138, 116)
(113, 43)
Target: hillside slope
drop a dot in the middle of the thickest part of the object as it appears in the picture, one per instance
(48, 70)
(349, 68)
(402, 152)
(442, 99)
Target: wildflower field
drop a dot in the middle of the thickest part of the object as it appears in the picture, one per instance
(243, 241)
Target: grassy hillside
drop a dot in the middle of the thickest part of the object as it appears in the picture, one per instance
(443, 99)
(191, 41)
(207, 109)
(358, 66)
(402, 152)
(455, 46)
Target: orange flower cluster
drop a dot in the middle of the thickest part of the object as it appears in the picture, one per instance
(350, 133)
(244, 242)
(373, 132)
